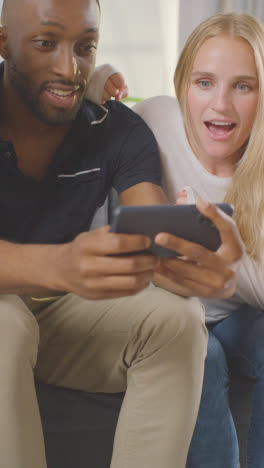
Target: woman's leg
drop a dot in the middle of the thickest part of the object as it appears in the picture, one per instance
(214, 443)
(242, 336)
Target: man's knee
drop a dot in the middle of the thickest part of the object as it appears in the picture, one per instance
(19, 331)
(167, 316)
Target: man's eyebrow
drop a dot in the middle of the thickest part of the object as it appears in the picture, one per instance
(60, 26)
(53, 23)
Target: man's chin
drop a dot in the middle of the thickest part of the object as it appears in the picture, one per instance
(57, 118)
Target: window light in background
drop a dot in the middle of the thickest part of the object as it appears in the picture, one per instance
(140, 38)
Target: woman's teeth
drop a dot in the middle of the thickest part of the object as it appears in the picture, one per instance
(221, 123)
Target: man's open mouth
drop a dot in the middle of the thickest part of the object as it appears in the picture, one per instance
(63, 94)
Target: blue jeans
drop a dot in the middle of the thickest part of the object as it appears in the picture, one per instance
(238, 342)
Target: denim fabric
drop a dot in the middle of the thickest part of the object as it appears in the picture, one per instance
(238, 342)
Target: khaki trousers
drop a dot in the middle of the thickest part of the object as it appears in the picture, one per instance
(152, 344)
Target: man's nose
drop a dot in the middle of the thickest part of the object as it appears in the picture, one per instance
(65, 64)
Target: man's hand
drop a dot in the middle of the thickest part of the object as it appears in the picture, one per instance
(116, 87)
(88, 265)
(200, 272)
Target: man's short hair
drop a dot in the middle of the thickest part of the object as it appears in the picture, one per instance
(98, 3)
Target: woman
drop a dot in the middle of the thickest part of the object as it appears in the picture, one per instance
(211, 141)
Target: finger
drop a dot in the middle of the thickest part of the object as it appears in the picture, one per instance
(110, 88)
(111, 91)
(215, 280)
(182, 198)
(131, 283)
(118, 80)
(98, 266)
(192, 286)
(123, 93)
(232, 247)
(100, 242)
(230, 251)
(195, 253)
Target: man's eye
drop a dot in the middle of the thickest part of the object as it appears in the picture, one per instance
(204, 83)
(87, 48)
(44, 43)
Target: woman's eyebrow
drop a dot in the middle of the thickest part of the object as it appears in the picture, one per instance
(212, 75)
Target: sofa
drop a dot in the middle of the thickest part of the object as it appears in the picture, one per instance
(79, 427)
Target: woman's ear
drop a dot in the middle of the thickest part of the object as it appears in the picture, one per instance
(3, 42)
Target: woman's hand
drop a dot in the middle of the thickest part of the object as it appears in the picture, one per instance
(116, 87)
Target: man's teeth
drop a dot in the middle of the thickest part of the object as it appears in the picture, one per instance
(61, 93)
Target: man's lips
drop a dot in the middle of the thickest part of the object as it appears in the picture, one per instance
(63, 97)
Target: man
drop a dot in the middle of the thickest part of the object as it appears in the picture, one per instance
(100, 328)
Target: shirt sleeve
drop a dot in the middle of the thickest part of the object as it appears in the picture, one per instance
(139, 158)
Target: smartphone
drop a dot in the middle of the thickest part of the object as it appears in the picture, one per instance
(184, 221)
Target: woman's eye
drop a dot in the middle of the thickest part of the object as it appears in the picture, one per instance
(204, 83)
(242, 86)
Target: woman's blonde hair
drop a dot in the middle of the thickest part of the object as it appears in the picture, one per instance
(247, 188)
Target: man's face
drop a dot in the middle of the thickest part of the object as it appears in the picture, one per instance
(51, 57)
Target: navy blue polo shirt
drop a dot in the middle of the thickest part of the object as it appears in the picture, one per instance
(106, 147)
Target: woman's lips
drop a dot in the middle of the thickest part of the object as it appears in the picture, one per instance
(220, 130)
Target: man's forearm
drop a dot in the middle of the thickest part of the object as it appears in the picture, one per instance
(28, 268)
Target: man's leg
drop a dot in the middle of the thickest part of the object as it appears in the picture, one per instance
(152, 344)
(214, 443)
(21, 439)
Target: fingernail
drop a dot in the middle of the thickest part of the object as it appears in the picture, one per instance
(162, 239)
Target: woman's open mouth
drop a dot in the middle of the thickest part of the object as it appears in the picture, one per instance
(220, 129)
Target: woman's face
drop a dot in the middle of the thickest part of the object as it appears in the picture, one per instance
(222, 102)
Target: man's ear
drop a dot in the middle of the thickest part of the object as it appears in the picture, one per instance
(3, 42)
